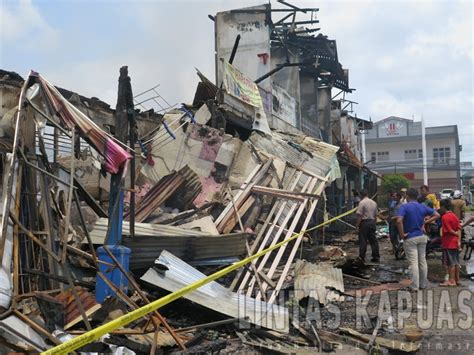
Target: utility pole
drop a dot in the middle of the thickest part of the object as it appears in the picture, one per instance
(116, 182)
(114, 230)
(423, 147)
(132, 139)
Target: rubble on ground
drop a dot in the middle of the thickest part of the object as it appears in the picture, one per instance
(205, 185)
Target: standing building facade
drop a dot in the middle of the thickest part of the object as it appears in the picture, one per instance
(394, 146)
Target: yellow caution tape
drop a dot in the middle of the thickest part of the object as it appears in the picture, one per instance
(95, 334)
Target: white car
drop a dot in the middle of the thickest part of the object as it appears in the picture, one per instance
(445, 193)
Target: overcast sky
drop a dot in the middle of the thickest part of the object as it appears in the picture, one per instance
(406, 58)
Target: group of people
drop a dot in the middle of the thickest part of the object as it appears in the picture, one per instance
(411, 216)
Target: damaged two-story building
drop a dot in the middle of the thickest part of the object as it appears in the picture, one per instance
(299, 77)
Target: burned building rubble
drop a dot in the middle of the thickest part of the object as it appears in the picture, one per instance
(104, 211)
(302, 83)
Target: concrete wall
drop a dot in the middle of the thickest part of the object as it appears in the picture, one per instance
(324, 113)
(287, 78)
(255, 40)
(308, 104)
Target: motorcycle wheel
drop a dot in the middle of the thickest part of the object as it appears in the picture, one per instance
(399, 252)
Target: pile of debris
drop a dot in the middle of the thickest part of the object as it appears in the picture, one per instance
(106, 211)
(207, 200)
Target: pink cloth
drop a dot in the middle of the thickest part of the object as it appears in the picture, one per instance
(116, 156)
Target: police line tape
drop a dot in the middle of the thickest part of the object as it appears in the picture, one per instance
(94, 334)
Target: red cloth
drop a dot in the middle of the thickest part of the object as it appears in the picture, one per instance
(450, 222)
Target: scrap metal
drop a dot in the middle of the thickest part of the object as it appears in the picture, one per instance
(215, 296)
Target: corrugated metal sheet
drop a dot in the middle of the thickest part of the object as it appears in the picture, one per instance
(141, 229)
(215, 296)
(320, 158)
(319, 281)
(146, 249)
(347, 156)
(72, 314)
(191, 245)
(17, 332)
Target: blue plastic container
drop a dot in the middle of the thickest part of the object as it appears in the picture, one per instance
(122, 254)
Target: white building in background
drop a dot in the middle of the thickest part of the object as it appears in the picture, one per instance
(394, 146)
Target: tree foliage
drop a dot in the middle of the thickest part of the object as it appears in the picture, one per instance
(394, 182)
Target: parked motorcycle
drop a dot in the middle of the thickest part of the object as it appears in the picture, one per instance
(434, 238)
(468, 243)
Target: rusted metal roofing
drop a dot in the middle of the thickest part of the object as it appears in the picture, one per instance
(71, 311)
(346, 155)
(185, 179)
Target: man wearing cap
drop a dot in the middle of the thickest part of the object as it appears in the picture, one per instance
(458, 205)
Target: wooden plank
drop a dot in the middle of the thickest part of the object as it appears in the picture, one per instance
(261, 232)
(267, 279)
(391, 344)
(294, 249)
(335, 339)
(158, 195)
(12, 168)
(69, 202)
(245, 193)
(280, 251)
(262, 261)
(47, 334)
(16, 244)
(57, 278)
(91, 202)
(230, 224)
(291, 195)
(236, 210)
(48, 217)
(254, 270)
(79, 318)
(260, 244)
(238, 194)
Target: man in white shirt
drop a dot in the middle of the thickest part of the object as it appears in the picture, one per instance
(366, 219)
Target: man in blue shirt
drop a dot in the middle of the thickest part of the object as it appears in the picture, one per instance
(411, 218)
